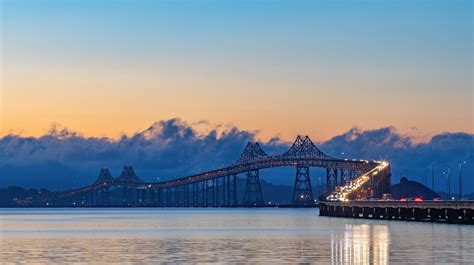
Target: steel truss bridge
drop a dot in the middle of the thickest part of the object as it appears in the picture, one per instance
(345, 179)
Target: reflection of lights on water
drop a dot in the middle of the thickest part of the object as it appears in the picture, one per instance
(381, 237)
(361, 244)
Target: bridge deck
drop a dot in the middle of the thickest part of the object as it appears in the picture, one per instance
(398, 204)
(459, 212)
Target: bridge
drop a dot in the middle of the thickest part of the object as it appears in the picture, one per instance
(456, 212)
(345, 179)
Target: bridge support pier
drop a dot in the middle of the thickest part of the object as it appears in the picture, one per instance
(426, 211)
(127, 196)
(207, 190)
(216, 198)
(391, 213)
(141, 197)
(195, 195)
(253, 190)
(159, 198)
(104, 197)
(356, 212)
(180, 202)
(169, 197)
(420, 214)
(187, 200)
(331, 179)
(176, 196)
(203, 193)
(152, 197)
(302, 191)
(214, 193)
(231, 190)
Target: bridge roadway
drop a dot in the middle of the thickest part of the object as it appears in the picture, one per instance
(267, 162)
(461, 212)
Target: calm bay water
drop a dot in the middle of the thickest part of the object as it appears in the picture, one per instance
(223, 235)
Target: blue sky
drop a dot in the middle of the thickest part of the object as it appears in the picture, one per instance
(399, 70)
(402, 63)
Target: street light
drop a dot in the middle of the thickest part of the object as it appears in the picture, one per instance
(448, 178)
(461, 164)
(433, 177)
(425, 177)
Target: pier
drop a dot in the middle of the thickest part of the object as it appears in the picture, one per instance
(458, 212)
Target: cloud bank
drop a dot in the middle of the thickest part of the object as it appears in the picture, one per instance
(173, 148)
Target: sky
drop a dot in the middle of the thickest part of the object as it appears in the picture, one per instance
(281, 68)
(178, 87)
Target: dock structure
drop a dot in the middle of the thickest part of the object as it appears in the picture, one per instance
(458, 212)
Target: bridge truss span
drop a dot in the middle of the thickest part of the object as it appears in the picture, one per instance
(218, 187)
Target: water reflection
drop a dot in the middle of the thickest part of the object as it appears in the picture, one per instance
(361, 244)
(220, 235)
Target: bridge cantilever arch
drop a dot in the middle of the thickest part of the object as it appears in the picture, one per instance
(104, 176)
(218, 188)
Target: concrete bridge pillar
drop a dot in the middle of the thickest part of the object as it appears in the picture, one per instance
(167, 202)
(127, 196)
(196, 193)
(151, 197)
(434, 214)
(356, 211)
(379, 212)
(158, 198)
(231, 190)
(420, 214)
(204, 193)
(339, 211)
(454, 214)
(141, 197)
(391, 213)
(406, 213)
(323, 209)
(105, 198)
(331, 210)
(469, 216)
(348, 211)
(367, 211)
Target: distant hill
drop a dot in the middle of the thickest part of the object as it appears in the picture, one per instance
(469, 196)
(411, 189)
(455, 195)
(10, 195)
